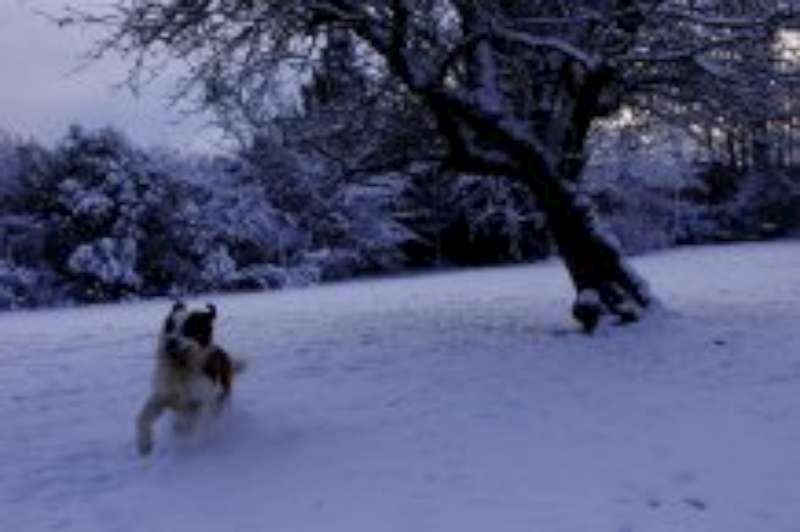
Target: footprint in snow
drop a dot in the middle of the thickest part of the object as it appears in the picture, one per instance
(695, 503)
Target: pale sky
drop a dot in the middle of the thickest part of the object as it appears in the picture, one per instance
(41, 93)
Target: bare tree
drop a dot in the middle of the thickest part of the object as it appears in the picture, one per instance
(508, 87)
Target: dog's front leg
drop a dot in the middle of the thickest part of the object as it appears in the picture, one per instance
(150, 412)
(186, 417)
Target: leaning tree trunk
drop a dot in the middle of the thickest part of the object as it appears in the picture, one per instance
(606, 285)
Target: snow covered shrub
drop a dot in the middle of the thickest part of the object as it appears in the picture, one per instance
(223, 230)
(107, 267)
(21, 286)
(15, 285)
(9, 168)
(470, 220)
(22, 239)
(334, 215)
(646, 216)
(268, 276)
(333, 263)
(218, 269)
(779, 209)
(25, 278)
(497, 222)
(643, 184)
(106, 220)
(657, 187)
(365, 228)
(750, 203)
(98, 201)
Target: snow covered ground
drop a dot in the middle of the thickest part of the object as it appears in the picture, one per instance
(452, 402)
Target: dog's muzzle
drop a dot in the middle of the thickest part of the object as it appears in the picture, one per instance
(177, 353)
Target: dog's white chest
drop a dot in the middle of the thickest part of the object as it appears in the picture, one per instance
(185, 387)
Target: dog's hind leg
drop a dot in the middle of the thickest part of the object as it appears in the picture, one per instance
(148, 415)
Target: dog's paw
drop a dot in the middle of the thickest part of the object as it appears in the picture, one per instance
(145, 444)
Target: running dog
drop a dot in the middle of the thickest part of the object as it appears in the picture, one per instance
(192, 373)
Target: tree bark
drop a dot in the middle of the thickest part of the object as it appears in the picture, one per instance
(606, 285)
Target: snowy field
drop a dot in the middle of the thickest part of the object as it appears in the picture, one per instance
(451, 403)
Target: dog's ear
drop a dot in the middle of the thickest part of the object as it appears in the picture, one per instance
(212, 311)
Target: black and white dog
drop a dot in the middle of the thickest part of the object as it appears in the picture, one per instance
(192, 373)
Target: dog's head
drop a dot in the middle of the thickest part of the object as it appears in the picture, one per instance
(187, 332)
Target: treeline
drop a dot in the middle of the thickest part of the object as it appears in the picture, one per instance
(657, 187)
(95, 218)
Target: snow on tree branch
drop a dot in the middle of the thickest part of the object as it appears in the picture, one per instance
(563, 46)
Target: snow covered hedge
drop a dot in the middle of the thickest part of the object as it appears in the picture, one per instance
(655, 188)
(97, 219)
(21, 287)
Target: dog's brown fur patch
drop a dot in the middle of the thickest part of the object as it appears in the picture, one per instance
(219, 369)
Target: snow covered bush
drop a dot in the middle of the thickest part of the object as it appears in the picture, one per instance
(109, 220)
(351, 222)
(750, 203)
(365, 227)
(470, 220)
(224, 228)
(644, 185)
(497, 222)
(107, 267)
(9, 167)
(97, 219)
(21, 286)
(26, 278)
(269, 276)
(93, 203)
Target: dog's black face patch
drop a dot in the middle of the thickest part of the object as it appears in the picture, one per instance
(169, 325)
(172, 346)
(199, 327)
